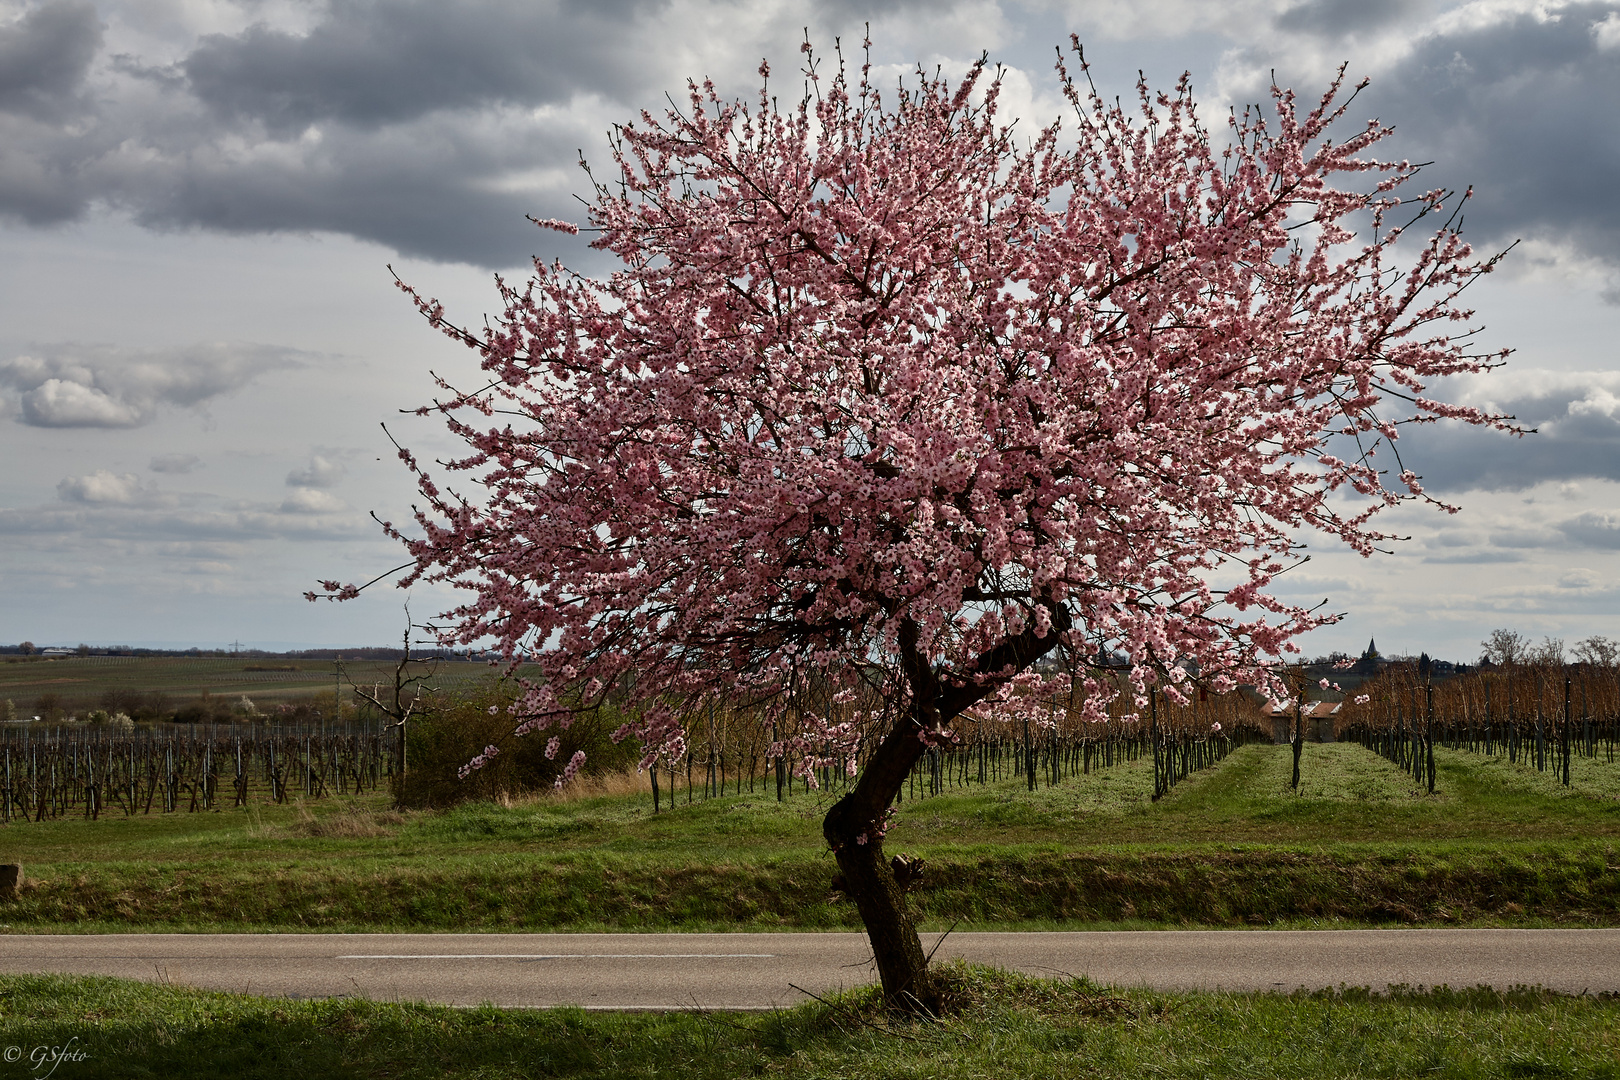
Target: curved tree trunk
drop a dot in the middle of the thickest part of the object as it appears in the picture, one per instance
(855, 824)
(853, 828)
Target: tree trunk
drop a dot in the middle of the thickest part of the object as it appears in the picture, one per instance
(1299, 734)
(854, 826)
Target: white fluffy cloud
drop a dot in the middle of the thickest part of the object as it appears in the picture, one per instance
(311, 501)
(99, 386)
(101, 488)
(1607, 32)
(65, 403)
(319, 473)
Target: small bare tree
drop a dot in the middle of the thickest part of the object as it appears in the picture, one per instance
(1597, 650)
(1549, 653)
(1505, 647)
(408, 696)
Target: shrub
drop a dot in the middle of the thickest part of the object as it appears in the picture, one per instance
(139, 705)
(450, 735)
(207, 709)
(117, 720)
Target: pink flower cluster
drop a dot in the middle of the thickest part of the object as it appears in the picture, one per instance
(571, 770)
(882, 392)
(489, 754)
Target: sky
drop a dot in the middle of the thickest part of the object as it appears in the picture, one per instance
(201, 340)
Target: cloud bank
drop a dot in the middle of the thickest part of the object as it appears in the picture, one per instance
(100, 386)
(433, 127)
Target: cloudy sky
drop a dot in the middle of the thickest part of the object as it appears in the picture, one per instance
(200, 340)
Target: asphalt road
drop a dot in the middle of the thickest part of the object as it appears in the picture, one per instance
(750, 971)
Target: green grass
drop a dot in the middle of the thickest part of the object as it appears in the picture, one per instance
(1359, 844)
(1590, 778)
(1001, 1025)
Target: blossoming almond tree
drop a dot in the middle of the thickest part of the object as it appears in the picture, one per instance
(885, 395)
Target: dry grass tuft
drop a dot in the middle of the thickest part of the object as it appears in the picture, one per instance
(976, 992)
(351, 823)
(612, 784)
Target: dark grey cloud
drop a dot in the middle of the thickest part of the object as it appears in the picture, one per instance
(48, 115)
(104, 506)
(1577, 436)
(1341, 17)
(429, 126)
(1523, 110)
(433, 188)
(370, 63)
(1474, 557)
(100, 386)
(434, 127)
(1593, 529)
(44, 57)
(175, 463)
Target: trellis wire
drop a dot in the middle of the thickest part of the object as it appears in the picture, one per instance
(1541, 715)
(728, 752)
(86, 771)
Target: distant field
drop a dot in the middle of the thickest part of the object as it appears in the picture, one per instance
(81, 681)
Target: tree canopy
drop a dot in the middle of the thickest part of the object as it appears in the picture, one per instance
(884, 392)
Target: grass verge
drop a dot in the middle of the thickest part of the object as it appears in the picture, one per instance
(985, 888)
(1003, 1025)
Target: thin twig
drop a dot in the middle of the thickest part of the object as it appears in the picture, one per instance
(941, 941)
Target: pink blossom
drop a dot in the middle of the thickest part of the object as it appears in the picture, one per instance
(832, 416)
(571, 770)
(478, 762)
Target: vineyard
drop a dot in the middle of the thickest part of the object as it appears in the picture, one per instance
(82, 771)
(1541, 715)
(87, 770)
(730, 747)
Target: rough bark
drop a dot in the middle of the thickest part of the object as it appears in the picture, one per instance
(854, 826)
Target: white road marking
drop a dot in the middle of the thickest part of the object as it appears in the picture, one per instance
(561, 956)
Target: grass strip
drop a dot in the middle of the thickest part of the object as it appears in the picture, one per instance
(1001, 1025)
(1017, 886)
